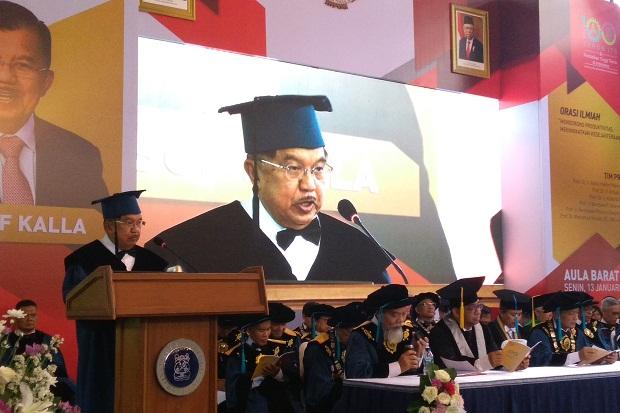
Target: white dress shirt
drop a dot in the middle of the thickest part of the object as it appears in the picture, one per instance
(300, 255)
(128, 260)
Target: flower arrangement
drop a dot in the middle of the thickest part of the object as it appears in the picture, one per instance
(25, 379)
(438, 393)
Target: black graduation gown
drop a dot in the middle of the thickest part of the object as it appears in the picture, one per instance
(444, 345)
(225, 240)
(323, 373)
(366, 358)
(96, 339)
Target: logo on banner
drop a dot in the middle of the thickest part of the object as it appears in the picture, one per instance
(596, 32)
(180, 367)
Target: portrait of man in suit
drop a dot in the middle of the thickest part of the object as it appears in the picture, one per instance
(40, 163)
(470, 48)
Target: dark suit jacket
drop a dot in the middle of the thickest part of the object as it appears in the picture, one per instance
(225, 240)
(68, 168)
(477, 52)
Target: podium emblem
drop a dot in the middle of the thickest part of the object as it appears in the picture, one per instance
(180, 367)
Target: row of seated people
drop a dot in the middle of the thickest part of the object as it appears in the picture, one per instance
(270, 368)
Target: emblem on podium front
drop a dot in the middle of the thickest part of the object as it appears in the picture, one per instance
(180, 367)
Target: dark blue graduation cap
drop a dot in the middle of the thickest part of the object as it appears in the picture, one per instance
(349, 315)
(417, 299)
(389, 297)
(464, 290)
(278, 122)
(512, 300)
(119, 204)
(280, 313)
(561, 301)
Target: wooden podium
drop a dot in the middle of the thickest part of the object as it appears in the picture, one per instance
(153, 311)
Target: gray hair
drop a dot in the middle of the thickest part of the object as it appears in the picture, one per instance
(608, 302)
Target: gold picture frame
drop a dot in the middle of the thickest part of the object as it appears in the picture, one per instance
(469, 35)
(184, 9)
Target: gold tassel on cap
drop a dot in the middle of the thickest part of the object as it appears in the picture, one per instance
(462, 315)
(533, 314)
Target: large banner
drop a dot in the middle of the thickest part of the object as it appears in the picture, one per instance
(75, 138)
(421, 166)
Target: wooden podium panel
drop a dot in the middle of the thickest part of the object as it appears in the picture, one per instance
(154, 312)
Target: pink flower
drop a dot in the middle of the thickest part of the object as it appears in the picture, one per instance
(436, 383)
(33, 350)
(4, 408)
(66, 407)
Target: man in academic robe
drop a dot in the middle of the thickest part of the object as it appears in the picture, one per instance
(539, 315)
(459, 336)
(425, 305)
(385, 346)
(562, 342)
(281, 228)
(266, 392)
(122, 223)
(506, 326)
(324, 358)
(304, 330)
(606, 332)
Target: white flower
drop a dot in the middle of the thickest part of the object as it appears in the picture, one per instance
(28, 405)
(13, 313)
(442, 376)
(453, 409)
(424, 409)
(457, 400)
(429, 394)
(444, 398)
(7, 374)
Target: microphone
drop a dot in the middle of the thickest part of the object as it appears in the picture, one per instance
(348, 212)
(160, 242)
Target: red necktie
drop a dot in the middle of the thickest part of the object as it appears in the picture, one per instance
(15, 188)
(468, 51)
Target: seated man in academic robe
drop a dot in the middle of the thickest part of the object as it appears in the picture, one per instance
(122, 223)
(423, 317)
(459, 336)
(304, 329)
(385, 346)
(606, 332)
(562, 342)
(281, 228)
(324, 358)
(267, 392)
(506, 326)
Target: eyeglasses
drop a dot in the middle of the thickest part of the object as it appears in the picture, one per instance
(293, 171)
(129, 223)
(22, 69)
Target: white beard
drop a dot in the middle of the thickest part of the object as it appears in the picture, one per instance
(394, 335)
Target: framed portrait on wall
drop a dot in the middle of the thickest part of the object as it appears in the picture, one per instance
(184, 9)
(469, 41)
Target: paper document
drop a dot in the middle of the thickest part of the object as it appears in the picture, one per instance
(269, 359)
(460, 366)
(591, 355)
(514, 352)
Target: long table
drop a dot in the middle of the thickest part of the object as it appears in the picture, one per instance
(588, 389)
